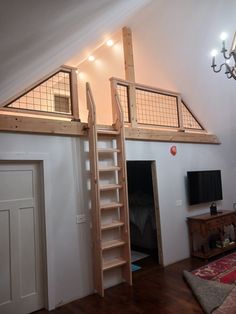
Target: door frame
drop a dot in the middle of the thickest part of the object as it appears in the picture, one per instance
(156, 205)
(157, 211)
(46, 224)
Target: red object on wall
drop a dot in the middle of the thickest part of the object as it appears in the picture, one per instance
(173, 150)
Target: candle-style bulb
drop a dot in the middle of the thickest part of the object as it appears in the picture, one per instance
(214, 52)
(223, 36)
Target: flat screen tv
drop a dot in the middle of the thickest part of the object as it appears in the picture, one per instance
(204, 186)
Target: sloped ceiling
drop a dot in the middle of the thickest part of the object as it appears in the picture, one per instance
(38, 36)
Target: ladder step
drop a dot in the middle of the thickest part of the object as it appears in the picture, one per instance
(116, 262)
(107, 132)
(108, 150)
(112, 244)
(111, 205)
(112, 225)
(109, 168)
(109, 187)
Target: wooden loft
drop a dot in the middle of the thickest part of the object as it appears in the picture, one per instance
(138, 128)
(27, 113)
(143, 108)
(152, 125)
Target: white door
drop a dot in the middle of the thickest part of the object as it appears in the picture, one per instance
(21, 260)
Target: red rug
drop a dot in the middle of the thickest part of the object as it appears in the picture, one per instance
(222, 270)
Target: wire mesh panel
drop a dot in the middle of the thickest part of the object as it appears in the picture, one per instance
(52, 95)
(122, 91)
(189, 122)
(156, 108)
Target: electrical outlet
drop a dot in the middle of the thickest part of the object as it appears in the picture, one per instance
(81, 218)
(178, 203)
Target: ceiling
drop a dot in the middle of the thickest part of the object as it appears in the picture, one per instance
(39, 36)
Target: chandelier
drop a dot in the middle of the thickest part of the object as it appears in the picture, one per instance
(228, 58)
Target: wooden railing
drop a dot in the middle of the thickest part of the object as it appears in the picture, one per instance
(145, 106)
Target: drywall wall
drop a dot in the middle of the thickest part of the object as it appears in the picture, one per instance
(68, 245)
(172, 187)
(171, 51)
(172, 41)
(40, 36)
(109, 62)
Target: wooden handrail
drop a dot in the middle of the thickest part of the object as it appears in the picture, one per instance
(145, 87)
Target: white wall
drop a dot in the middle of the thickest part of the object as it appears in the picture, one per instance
(172, 41)
(171, 177)
(171, 44)
(69, 260)
(40, 36)
(109, 62)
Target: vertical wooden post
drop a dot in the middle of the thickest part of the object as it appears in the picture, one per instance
(74, 95)
(179, 108)
(129, 73)
(128, 54)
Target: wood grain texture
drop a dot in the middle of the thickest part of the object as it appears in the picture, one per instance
(169, 136)
(155, 290)
(10, 123)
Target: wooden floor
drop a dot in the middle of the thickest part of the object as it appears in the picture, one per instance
(155, 290)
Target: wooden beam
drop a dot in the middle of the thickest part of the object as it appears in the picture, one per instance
(74, 96)
(128, 54)
(130, 73)
(169, 136)
(10, 123)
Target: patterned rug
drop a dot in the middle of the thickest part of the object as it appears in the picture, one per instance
(222, 270)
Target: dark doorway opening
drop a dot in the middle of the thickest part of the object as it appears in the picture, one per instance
(142, 210)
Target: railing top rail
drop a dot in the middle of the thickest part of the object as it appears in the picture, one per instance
(146, 87)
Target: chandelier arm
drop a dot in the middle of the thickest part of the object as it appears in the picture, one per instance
(234, 56)
(224, 54)
(220, 68)
(229, 71)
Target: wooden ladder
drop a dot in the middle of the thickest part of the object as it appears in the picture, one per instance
(109, 202)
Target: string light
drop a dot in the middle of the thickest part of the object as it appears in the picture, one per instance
(110, 43)
(91, 58)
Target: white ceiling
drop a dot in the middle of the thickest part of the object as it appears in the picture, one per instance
(38, 36)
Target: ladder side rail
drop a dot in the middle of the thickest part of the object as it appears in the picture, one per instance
(95, 195)
(124, 192)
(115, 113)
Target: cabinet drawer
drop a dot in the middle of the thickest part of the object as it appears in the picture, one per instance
(215, 224)
(228, 220)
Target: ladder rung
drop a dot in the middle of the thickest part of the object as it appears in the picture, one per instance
(111, 205)
(116, 262)
(110, 187)
(107, 132)
(112, 225)
(109, 168)
(108, 150)
(112, 244)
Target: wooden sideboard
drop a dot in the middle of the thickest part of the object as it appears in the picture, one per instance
(204, 226)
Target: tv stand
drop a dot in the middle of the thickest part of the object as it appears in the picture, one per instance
(205, 225)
